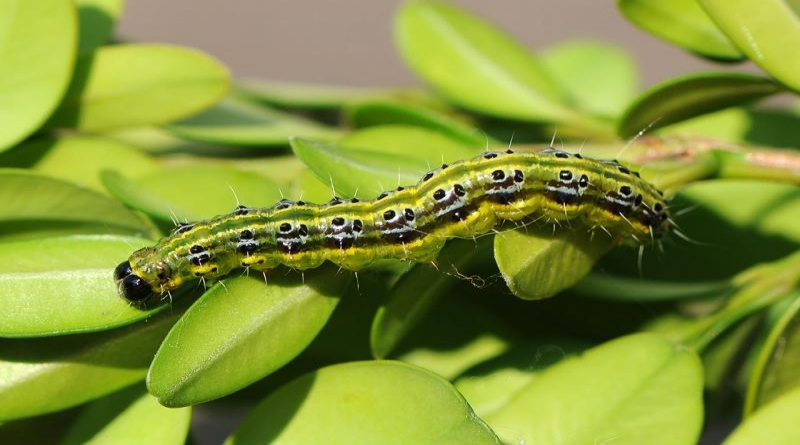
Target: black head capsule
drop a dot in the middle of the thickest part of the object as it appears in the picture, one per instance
(131, 287)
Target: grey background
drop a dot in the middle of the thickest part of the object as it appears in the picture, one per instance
(349, 42)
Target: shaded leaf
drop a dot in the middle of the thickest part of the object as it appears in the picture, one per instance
(376, 159)
(36, 205)
(237, 122)
(241, 331)
(132, 85)
(97, 19)
(382, 111)
(692, 95)
(299, 95)
(774, 423)
(423, 408)
(77, 368)
(635, 389)
(119, 418)
(172, 194)
(493, 384)
(78, 159)
(418, 290)
(613, 287)
(775, 370)
(37, 47)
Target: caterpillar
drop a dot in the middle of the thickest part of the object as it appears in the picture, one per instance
(464, 199)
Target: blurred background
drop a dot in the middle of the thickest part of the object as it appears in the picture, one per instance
(349, 42)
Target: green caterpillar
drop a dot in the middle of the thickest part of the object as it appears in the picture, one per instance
(463, 199)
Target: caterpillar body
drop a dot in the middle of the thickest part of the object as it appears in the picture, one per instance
(464, 199)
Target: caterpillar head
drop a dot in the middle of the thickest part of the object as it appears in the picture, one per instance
(136, 284)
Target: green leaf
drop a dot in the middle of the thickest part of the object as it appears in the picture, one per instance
(426, 146)
(364, 402)
(764, 30)
(540, 262)
(54, 286)
(49, 374)
(457, 334)
(37, 47)
(413, 295)
(744, 125)
(493, 384)
(131, 85)
(382, 111)
(606, 88)
(240, 331)
(35, 206)
(78, 159)
(774, 423)
(692, 95)
(97, 19)
(120, 417)
(475, 64)
(621, 288)
(376, 159)
(633, 390)
(172, 194)
(299, 95)
(682, 22)
(775, 371)
(237, 122)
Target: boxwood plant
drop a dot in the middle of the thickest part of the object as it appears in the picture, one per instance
(536, 334)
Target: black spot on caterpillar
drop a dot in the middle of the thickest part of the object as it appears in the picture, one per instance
(463, 199)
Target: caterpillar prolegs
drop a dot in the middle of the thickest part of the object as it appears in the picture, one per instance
(463, 199)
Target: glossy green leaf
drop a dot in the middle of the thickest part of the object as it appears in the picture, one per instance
(240, 331)
(539, 262)
(78, 159)
(692, 95)
(754, 126)
(49, 374)
(132, 85)
(417, 290)
(237, 122)
(682, 22)
(633, 390)
(774, 423)
(36, 205)
(97, 19)
(493, 384)
(775, 370)
(621, 288)
(381, 111)
(457, 334)
(54, 286)
(428, 147)
(158, 140)
(355, 172)
(364, 402)
(172, 194)
(601, 78)
(119, 418)
(475, 64)
(299, 95)
(764, 30)
(376, 159)
(37, 49)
